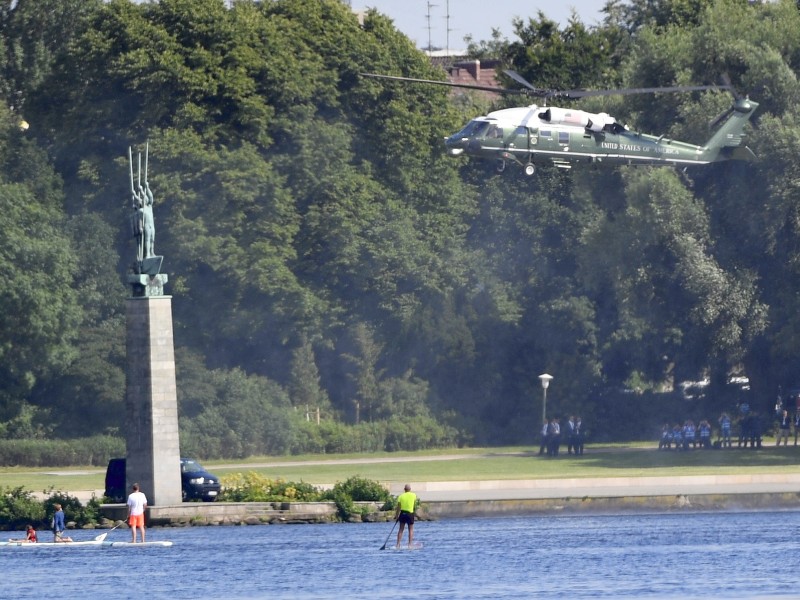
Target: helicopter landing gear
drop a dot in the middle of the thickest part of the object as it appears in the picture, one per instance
(530, 169)
(500, 165)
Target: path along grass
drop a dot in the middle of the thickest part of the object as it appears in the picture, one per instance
(458, 465)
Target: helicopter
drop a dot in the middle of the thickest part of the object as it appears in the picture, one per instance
(528, 136)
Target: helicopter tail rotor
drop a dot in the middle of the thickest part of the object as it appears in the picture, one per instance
(737, 97)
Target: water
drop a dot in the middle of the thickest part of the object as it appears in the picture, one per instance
(719, 555)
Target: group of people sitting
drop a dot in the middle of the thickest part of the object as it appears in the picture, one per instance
(749, 425)
(686, 436)
(553, 435)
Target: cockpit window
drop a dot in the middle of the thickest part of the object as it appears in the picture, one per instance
(613, 128)
(474, 127)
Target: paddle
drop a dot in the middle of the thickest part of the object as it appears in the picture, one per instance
(390, 535)
(102, 536)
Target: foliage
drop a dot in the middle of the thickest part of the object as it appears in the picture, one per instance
(357, 489)
(19, 508)
(324, 252)
(96, 451)
(252, 487)
(74, 511)
(362, 490)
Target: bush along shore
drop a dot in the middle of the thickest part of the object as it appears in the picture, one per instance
(354, 500)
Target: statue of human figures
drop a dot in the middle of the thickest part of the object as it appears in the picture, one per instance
(137, 225)
(147, 220)
(144, 227)
(142, 221)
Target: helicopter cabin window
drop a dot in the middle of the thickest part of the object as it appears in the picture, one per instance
(495, 132)
(545, 133)
(524, 136)
(563, 137)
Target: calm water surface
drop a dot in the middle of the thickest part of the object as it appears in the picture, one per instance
(720, 555)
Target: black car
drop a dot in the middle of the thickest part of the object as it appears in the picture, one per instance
(196, 482)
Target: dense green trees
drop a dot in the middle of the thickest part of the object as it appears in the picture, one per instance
(324, 252)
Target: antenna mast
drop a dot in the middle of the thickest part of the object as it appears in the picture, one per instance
(447, 24)
(428, 18)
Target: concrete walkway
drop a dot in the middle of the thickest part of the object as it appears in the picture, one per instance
(611, 487)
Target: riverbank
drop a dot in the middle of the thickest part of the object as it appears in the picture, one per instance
(460, 499)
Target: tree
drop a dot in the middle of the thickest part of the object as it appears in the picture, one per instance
(304, 387)
(366, 376)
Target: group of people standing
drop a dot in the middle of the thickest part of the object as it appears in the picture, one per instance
(786, 425)
(553, 435)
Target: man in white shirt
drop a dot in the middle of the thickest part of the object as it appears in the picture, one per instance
(137, 502)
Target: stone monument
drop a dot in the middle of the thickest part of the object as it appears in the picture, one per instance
(151, 401)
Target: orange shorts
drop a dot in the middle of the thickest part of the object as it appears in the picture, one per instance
(136, 520)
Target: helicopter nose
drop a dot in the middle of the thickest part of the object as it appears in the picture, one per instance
(455, 145)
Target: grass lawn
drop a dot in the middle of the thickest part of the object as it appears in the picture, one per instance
(456, 465)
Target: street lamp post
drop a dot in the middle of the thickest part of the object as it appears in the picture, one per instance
(545, 379)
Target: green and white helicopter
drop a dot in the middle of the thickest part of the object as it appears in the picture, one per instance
(535, 135)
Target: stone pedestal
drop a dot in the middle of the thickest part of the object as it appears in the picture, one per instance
(153, 448)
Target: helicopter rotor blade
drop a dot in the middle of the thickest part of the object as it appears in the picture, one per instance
(532, 91)
(484, 88)
(726, 79)
(574, 94)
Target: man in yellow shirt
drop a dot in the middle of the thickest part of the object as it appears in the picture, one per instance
(404, 513)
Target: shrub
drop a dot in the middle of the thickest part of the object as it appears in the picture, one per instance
(418, 433)
(358, 489)
(96, 451)
(19, 508)
(252, 487)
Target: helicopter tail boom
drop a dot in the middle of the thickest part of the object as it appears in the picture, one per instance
(727, 142)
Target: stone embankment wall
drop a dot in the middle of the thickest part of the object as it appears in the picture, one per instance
(262, 513)
(245, 513)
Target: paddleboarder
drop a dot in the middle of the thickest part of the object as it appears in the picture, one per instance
(137, 502)
(404, 514)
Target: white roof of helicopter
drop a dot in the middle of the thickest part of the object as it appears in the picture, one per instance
(520, 115)
(528, 116)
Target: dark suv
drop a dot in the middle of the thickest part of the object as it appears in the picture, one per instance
(196, 482)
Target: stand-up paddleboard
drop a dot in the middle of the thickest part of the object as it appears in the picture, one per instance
(63, 545)
(401, 547)
(162, 544)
